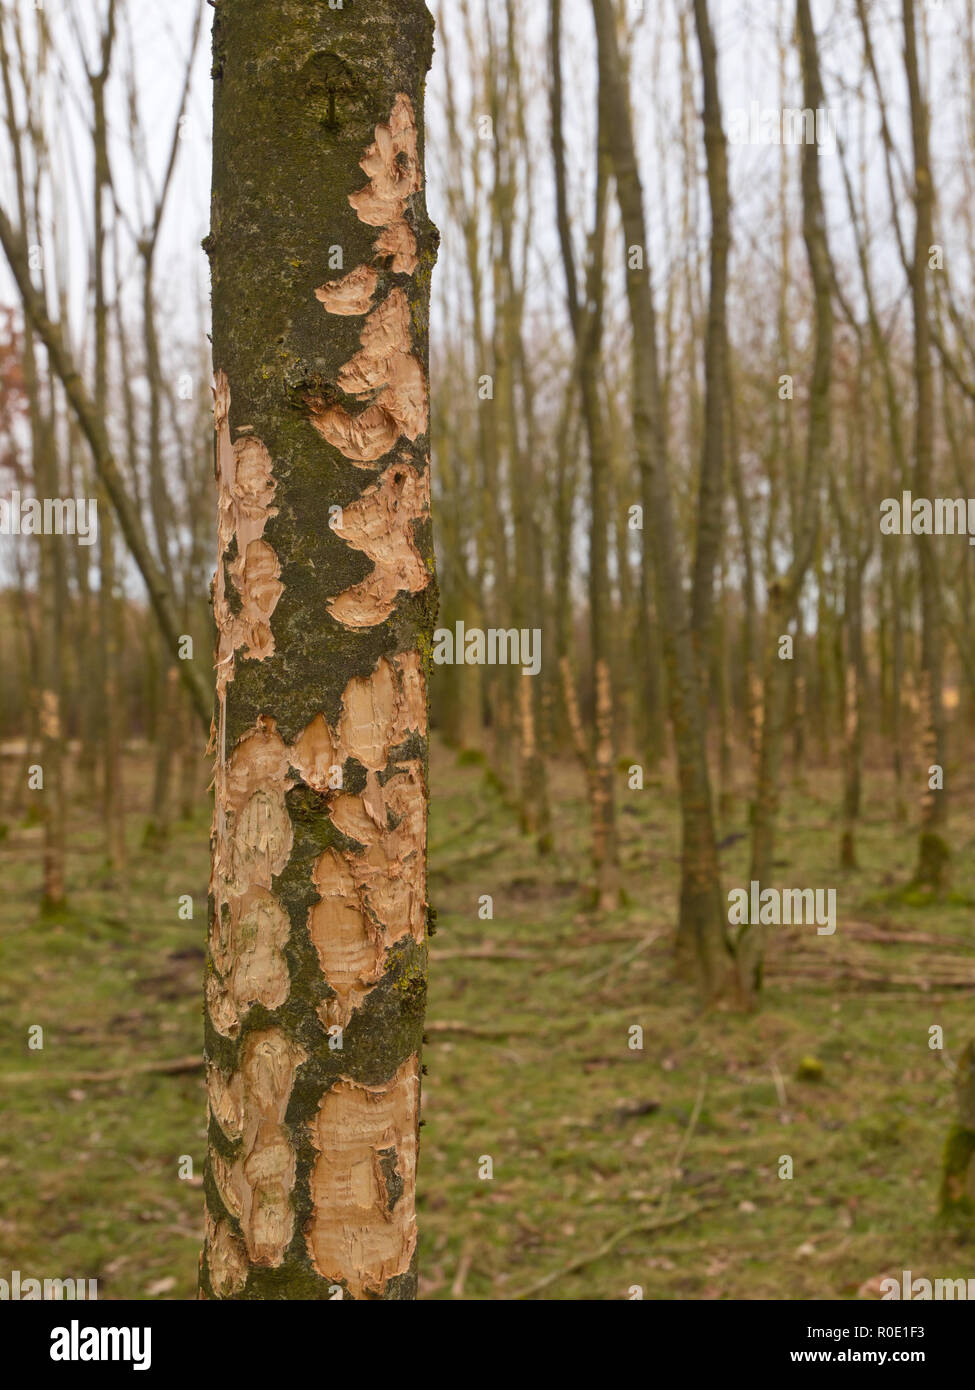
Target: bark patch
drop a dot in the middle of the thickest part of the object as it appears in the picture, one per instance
(386, 372)
(226, 1258)
(224, 1096)
(393, 166)
(252, 844)
(264, 1175)
(380, 524)
(245, 490)
(372, 896)
(361, 1233)
(352, 294)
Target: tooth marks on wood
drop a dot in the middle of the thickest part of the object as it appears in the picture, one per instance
(369, 898)
(226, 1258)
(393, 166)
(252, 844)
(352, 295)
(380, 523)
(387, 373)
(245, 491)
(360, 1231)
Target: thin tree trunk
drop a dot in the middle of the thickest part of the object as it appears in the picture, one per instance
(702, 933)
(784, 592)
(51, 564)
(587, 326)
(111, 722)
(710, 517)
(853, 731)
(933, 852)
(156, 834)
(93, 428)
(957, 1195)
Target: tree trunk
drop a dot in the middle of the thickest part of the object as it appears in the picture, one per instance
(853, 728)
(703, 924)
(957, 1196)
(51, 561)
(53, 591)
(112, 721)
(933, 853)
(587, 329)
(784, 593)
(156, 834)
(710, 518)
(316, 977)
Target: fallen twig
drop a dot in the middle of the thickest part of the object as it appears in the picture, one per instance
(624, 959)
(460, 1278)
(638, 1228)
(171, 1067)
(485, 953)
(469, 1030)
(471, 857)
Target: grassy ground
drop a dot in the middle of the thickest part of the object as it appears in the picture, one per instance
(612, 1167)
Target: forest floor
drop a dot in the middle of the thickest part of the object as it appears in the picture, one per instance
(613, 1168)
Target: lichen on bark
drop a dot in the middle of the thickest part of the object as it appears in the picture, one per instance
(316, 971)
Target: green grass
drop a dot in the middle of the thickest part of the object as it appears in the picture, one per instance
(528, 1063)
